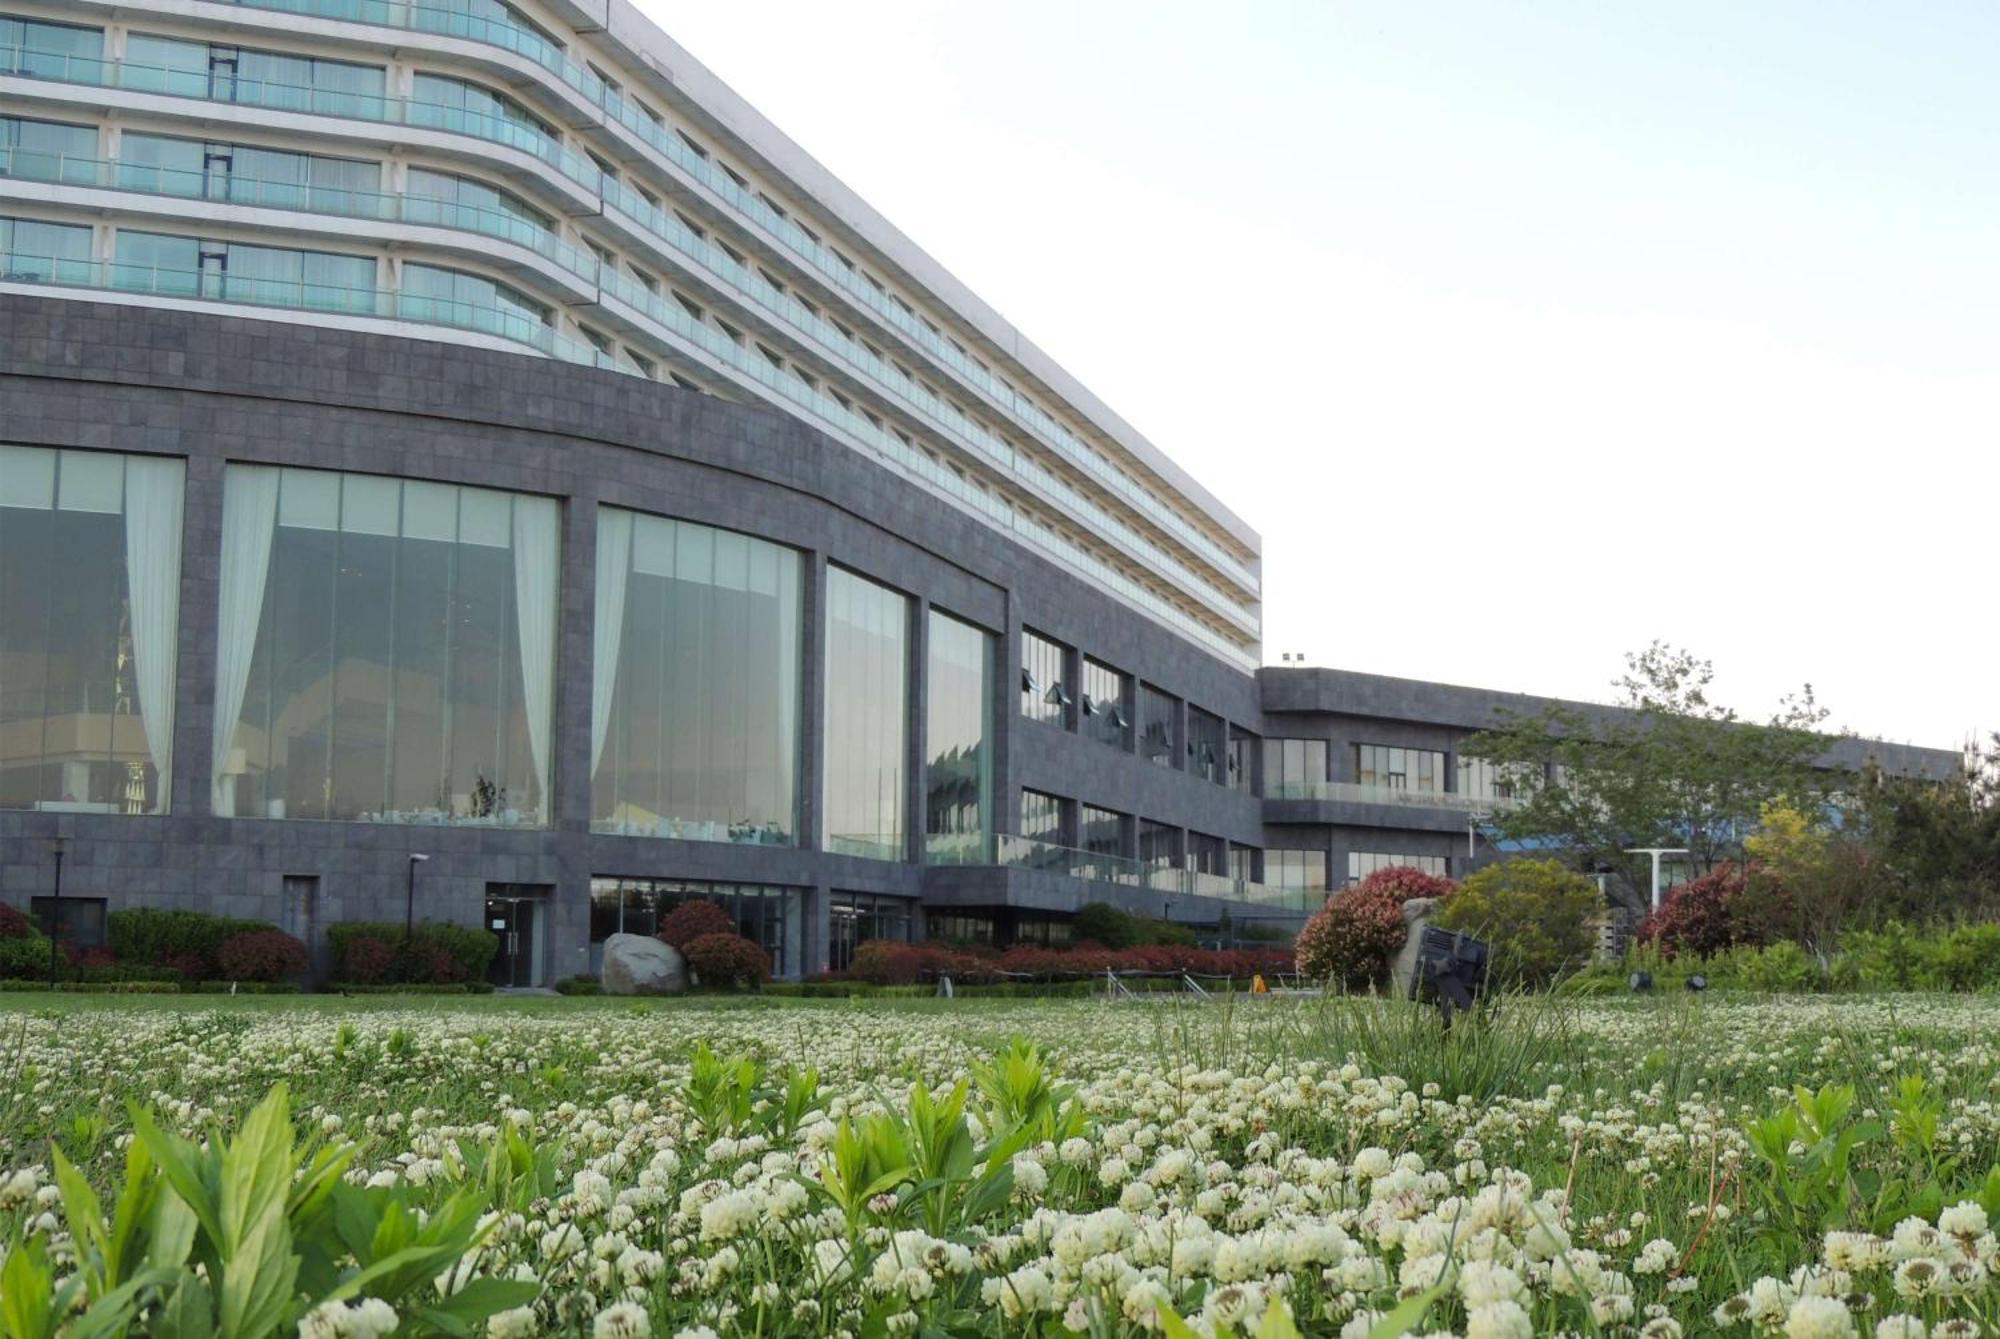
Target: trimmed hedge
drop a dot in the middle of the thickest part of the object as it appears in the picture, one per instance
(435, 954)
(94, 987)
(412, 988)
(187, 941)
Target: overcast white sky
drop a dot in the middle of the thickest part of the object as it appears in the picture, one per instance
(1524, 333)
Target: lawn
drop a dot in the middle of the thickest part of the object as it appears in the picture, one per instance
(1682, 1164)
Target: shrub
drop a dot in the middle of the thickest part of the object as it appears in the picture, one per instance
(261, 955)
(691, 920)
(24, 956)
(727, 960)
(1352, 939)
(468, 949)
(1536, 915)
(367, 961)
(186, 941)
(1405, 883)
(1695, 917)
(579, 985)
(1102, 923)
(14, 923)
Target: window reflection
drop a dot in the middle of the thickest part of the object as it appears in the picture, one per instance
(694, 716)
(867, 711)
(958, 773)
(769, 915)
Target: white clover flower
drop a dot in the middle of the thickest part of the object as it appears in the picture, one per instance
(518, 1323)
(1814, 1317)
(1900, 1326)
(1965, 1220)
(1503, 1319)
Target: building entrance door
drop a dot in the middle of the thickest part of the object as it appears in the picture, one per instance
(515, 914)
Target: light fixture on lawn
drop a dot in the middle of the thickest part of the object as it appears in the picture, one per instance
(1697, 982)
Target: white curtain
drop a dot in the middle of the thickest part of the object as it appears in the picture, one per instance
(249, 522)
(535, 612)
(614, 564)
(153, 490)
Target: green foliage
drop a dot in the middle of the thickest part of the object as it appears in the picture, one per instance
(1536, 915)
(1673, 770)
(25, 956)
(241, 1237)
(468, 949)
(188, 941)
(1102, 923)
(580, 985)
(1350, 941)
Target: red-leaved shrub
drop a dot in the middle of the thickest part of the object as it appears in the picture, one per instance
(90, 957)
(886, 962)
(691, 920)
(423, 963)
(368, 961)
(261, 955)
(190, 965)
(1405, 883)
(1730, 905)
(14, 923)
(1352, 938)
(720, 960)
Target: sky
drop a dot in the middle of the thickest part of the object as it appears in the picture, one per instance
(1524, 334)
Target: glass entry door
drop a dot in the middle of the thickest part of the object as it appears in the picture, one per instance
(514, 915)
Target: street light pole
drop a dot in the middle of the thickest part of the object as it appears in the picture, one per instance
(410, 899)
(55, 914)
(1656, 852)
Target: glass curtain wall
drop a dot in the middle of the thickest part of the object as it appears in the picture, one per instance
(385, 650)
(258, 78)
(238, 272)
(1044, 695)
(1484, 779)
(694, 726)
(1360, 864)
(90, 563)
(277, 178)
(1294, 769)
(958, 717)
(1295, 869)
(866, 716)
(1399, 768)
(48, 151)
(1107, 705)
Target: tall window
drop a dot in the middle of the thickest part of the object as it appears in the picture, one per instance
(1157, 714)
(1207, 854)
(458, 201)
(768, 915)
(472, 301)
(1242, 761)
(192, 69)
(694, 724)
(1484, 779)
(1242, 863)
(1107, 704)
(1045, 818)
(51, 50)
(90, 560)
(31, 249)
(958, 715)
(457, 104)
(866, 718)
(385, 650)
(1207, 746)
(1294, 769)
(1159, 844)
(1399, 768)
(1360, 864)
(1101, 831)
(853, 919)
(1044, 694)
(1295, 869)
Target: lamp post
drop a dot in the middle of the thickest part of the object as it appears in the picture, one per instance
(410, 899)
(55, 913)
(1656, 852)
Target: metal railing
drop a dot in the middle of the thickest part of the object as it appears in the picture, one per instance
(1350, 792)
(1016, 852)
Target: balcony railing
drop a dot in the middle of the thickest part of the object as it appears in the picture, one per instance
(1350, 792)
(1015, 852)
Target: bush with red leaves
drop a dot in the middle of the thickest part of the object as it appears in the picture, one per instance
(1728, 906)
(691, 920)
(420, 962)
(727, 960)
(890, 962)
(368, 961)
(1405, 883)
(90, 957)
(14, 923)
(885, 962)
(1352, 939)
(191, 966)
(261, 955)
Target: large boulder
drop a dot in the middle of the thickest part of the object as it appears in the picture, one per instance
(1415, 912)
(643, 965)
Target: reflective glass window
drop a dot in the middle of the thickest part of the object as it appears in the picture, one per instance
(1045, 818)
(854, 919)
(1296, 869)
(1207, 746)
(51, 50)
(90, 558)
(958, 716)
(1158, 725)
(48, 151)
(385, 650)
(1360, 864)
(1045, 696)
(695, 704)
(33, 250)
(769, 915)
(1294, 768)
(1399, 768)
(1107, 704)
(866, 716)
(455, 297)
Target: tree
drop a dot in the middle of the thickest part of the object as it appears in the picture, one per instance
(1936, 843)
(1538, 917)
(1672, 769)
